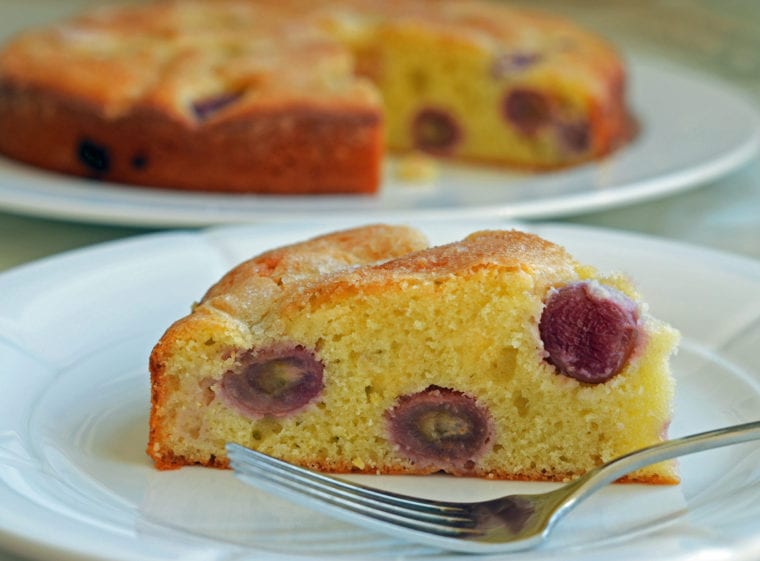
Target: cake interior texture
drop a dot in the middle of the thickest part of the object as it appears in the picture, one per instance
(363, 351)
(483, 83)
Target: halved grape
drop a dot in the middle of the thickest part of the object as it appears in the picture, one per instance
(589, 331)
(526, 109)
(275, 382)
(435, 130)
(441, 427)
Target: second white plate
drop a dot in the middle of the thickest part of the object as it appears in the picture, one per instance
(694, 129)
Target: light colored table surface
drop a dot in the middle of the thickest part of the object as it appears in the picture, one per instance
(724, 214)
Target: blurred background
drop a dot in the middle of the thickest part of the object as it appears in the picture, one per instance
(718, 38)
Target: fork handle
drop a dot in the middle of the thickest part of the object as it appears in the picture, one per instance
(617, 468)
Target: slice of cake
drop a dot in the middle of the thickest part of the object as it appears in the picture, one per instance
(302, 97)
(497, 356)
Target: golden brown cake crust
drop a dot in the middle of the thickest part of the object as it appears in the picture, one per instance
(507, 249)
(251, 97)
(290, 150)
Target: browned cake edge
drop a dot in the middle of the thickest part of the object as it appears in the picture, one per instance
(294, 149)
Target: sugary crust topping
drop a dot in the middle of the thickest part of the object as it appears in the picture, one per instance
(505, 249)
(370, 258)
(266, 276)
(167, 54)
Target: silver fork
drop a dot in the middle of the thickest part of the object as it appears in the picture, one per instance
(510, 523)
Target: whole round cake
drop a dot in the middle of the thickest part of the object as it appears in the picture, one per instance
(497, 356)
(300, 97)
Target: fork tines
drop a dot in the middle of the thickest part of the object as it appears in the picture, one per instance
(345, 499)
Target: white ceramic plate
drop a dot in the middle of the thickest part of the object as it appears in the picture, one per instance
(76, 331)
(694, 129)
